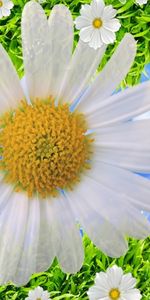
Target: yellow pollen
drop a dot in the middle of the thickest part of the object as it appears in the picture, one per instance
(114, 294)
(97, 23)
(43, 147)
(1, 3)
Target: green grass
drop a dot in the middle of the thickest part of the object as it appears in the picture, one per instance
(63, 286)
(136, 20)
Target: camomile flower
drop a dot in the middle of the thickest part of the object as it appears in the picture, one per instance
(38, 294)
(69, 150)
(97, 24)
(5, 8)
(114, 285)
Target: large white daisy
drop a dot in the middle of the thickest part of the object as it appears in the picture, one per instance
(114, 285)
(53, 172)
(97, 24)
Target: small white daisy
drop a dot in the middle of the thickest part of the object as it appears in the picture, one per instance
(38, 294)
(97, 24)
(5, 7)
(114, 285)
(141, 2)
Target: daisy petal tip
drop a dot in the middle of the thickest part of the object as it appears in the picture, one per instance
(11, 5)
(111, 7)
(61, 9)
(119, 24)
(94, 47)
(30, 5)
(97, 47)
(132, 43)
(120, 252)
(75, 266)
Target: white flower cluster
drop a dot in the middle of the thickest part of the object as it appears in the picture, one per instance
(109, 285)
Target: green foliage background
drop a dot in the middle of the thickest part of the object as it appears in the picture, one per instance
(74, 287)
(136, 20)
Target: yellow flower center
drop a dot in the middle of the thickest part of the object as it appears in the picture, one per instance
(1, 3)
(97, 23)
(114, 294)
(43, 147)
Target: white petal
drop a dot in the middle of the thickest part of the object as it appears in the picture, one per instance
(109, 12)
(39, 291)
(5, 11)
(9, 5)
(110, 77)
(36, 50)
(61, 241)
(126, 145)
(96, 292)
(10, 89)
(127, 282)
(132, 295)
(5, 190)
(69, 247)
(86, 33)
(135, 161)
(83, 65)
(107, 36)
(36, 293)
(85, 11)
(101, 285)
(82, 22)
(88, 200)
(96, 41)
(61, 37)
(97, 7)
(13, 223)
(23, 83)
(112, 25)
(135, 187)
(114, 276)
(121, 107)
(117, 208)
(28, 258)
(101, 281)
(47, 237)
